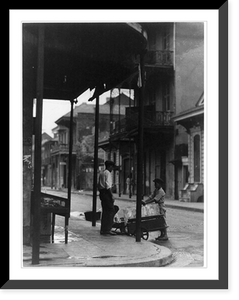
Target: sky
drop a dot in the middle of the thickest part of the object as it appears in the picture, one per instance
(54, 109)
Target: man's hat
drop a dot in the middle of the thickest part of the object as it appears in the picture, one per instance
(109, 163)
(158, 180)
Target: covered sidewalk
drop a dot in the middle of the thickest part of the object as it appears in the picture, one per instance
(61, 61)
(88, 248)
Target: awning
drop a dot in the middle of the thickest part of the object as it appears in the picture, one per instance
(190, 113)
(190, 118)
(61, 61)
(193, 116)
(78, 56)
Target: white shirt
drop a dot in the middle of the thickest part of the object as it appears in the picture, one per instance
(157, 196)
(105, 180)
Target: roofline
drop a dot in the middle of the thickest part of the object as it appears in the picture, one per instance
(64, 118)
(67, 117)
(189, 113)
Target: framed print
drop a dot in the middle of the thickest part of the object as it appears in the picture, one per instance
(130, 134)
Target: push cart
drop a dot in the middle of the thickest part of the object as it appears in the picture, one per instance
(148, 224)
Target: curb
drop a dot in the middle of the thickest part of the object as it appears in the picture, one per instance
(194, 209)
(136, 255)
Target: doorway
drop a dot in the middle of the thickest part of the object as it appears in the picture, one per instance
(197, 158)
(127, 175)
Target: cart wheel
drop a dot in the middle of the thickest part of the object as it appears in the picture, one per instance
(123, 229)
(144, 233)
(126, 230)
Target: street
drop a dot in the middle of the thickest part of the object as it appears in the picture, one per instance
(186, 238)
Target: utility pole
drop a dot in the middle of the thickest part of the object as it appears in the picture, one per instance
(69, 182)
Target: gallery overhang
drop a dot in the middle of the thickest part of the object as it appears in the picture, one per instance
(61, 61)
(78, 56)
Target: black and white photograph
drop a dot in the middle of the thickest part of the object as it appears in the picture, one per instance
(115, 131)
(125, 163)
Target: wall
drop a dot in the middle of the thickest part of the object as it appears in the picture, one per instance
(85, 122)
(189, 67)
(158, 33)
(189, 85)
(196, 131)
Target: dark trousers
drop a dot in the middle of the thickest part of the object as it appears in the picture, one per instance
(108, 210)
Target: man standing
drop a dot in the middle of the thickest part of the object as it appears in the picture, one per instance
(107, 199)
(158, 197)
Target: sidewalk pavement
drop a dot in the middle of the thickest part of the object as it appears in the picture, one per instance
(89, 248)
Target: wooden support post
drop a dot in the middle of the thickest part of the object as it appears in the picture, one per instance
(119, 128)
(69, 170)
(53, 227)
(66, 228)
(37, 154)
(130, 155)
(95, 162)
(140, 155)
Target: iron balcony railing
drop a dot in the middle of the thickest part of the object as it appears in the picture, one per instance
(162, 58)
(62, 148)
(152, 119)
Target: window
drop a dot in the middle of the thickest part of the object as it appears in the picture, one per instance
(196, 158)
(185, 175)
(166, 39)
(152, 41)
(166, 97)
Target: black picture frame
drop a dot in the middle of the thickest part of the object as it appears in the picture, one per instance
(223, 283)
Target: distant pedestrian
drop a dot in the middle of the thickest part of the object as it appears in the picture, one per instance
(128, 184)
(158, 197)
(107, 200)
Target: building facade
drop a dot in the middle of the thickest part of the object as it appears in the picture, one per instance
(189, 166)
(189, 112)
(174, 81)
(173, 123)
(48, 143)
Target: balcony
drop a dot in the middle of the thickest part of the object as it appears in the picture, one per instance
(62, 149)
(46, 161)
(152, 119)
(159, 58)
